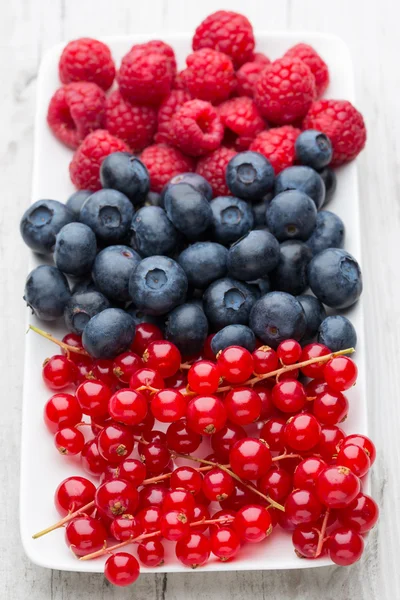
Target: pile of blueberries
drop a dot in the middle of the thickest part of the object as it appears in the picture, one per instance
(237, 266)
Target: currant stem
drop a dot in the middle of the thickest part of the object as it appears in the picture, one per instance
(282, 456)
(322, 534)
(51, 338)
(65, 520)
(168, 475)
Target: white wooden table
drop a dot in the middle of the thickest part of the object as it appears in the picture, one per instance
(370, 28)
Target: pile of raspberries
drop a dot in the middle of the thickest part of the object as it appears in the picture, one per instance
(229, 98)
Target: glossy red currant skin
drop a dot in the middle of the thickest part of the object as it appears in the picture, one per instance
(206, 415)
(93, 397)
(302, 432)
(145, 333)
(225, 543)
(58, 372)
(355, 458)
(162, 356)
(115, 498)
(224, 439)
(307, 472)
(62, 410)
(186, 478)
(180, 500)
(276, 483)
(289, 352)
(340, 373)
(83, 368)
(203, 377)
(91, 459)
(150, 518)
(121, 569)
(174, 525)
(182, 439)
(272, 433)
(235, 364)
(217, 485)
(128, 407)
(289, 396)
(364, 442)
(193, 550)
(253, 523)
(337, 486)
(267, 406)
(154, 436)
(69, 440)
(125, 365)
(243, 405)
(85, 535)
(74, 340)
(329, 442)
(201, 513)
(228, 514)
(284, 522)
(146, 377)
(250, 458)
(360, 515)
(345, 547)
(72, 494)
(115, 443)
(168, 406)
(125, 527)
(151, 553)
(305, 540)
(315, 387)
(103, 371)
(156, 457)
(330, 407)
(265, 360)
(314, 350)
(303, 506)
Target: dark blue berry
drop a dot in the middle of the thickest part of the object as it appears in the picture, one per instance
(253, 256)
(315, 313)
(112, 269)
(188, 209)
(260, 286)
(109, 213)
(41, 223)
(277, 316)
(154, 199)
(291, 215)
(76, 201)
(187, 327)
(126, 173)
(232, 219)
(250, 175)
(157, 285)
(259, 209)
(303, 179)
(108, 333)
(328, 176)
(75, 249)
(313, 148)
(227, 302)
(47, 292)
(85, 284)
(328, 233)
(152, 232)
(233, 335)
(196, 181)
(335, 278)
(81, 307)
(290, 275)
(203, 263)
(140, 317)
(337, 333)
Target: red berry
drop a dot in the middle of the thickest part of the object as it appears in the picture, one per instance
(156, 457)
(289, 396)
(168, 406)
(69, 440)
(146, 377)
(207, 350)
(289, 352)
(277, 145)
(145, 333)
(250, 458)
(315, 387)
(206, 414)
(61, 410)
(83, 369)
(193, 550)
(169, 106)
(74, 340)
(87, 59)
(225, 543)
(227, 514)
(267, 406)
(186, 478)
(150, 516)
(284, 521)
(85, 535)
(345, 547)
(243, 405)
(91, 459)
(121, 569)
(306, 473)
(72, 494)
(151, 553)
(174, 525)
(159, 47)
(223, 440)
(116, 497)
(265, 360)
(144, 77)
(313, 60)
(337, 486)
(329, 441)
(58, 372)
(303, 506)
(128, 407)
(247, 77)
(203, 377)
(305, 541)
(302, 432)
(132, 470)
(217, 485)
(164, 162)
(103, 371)
(235, 364)
(355, 458)
(272, 433)
(213, 167)
(253, 523)
(125, 365)
(115, 443)
(360, 515)
(93, 397)
(330, 407)
(180, 500)
(364, 442)
(200, 513)
(196, 128)
(314, 350)
(276, 483)
(240, 497)
(135, 124)
(242, 122)
(181, 438)
(340, 373)
(125, 527)
(162, 356)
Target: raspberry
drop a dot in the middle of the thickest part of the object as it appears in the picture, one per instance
(75, 110)
(259, 57)
(285, 90)
(196, 128)
(168, 108)
(178, 83)
(313, 60)
(277, 145)
(135, 124)
(213, 168)
(164, 162)
(228, 32)
(247, 76)
(242, 122)
(159, 47)
(84, 168)
(342, 123)
(210, 75)
(144, 78)
(86, 59)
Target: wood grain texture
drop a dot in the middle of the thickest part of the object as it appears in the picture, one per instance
(27, 29)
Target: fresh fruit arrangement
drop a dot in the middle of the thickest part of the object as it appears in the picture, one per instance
(201, 386)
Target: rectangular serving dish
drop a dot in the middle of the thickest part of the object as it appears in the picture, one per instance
(42, 468)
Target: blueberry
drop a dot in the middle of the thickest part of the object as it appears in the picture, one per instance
(108, 333)
(315, 313)
(232, 219)
(157, 285)
(126, 173)
(335, 278)
(188, 209)
(260, 286)
(47, 292)
(259, 210)
(109, 213)
(277, 316)
(337, 333)
(250, 175)
(203, 263)
(75, 249)
(227, 302)
(303, 179)
(187, 327)
(253, 256)
(152, 232)
(81, 307)
(140, 317)
(112, 269)
(154, 199)
(291, 215)
(86, 284)
(233, 335)
(196, 181)
(328, 232)
(328, 176)
(76, 201)
(41, 223)
(313, 148)
(290, 274)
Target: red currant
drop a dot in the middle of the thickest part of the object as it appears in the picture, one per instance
(125, 365)
(72, 494)
(240, 497)
(267, 406)
(83, 368)
(330, 407)
(103, 371)
(151, 553)
(93, 397)
(91, 459)
(289, 352)
(156, 457)
(145, 333)
(305, 541)
(315, 387)
(302, 432)
(314, 350)
(116, 497)
(150, 518)
(62, 410)
(69, 440)
(115, 443)
(168, 406)
(345, 547)
(360, 515)
(163, 356)
(186, 478)
(207, 350)
(227, 514)
(284, 521)
(58, 372)
(243, 405)
(74, 340)
(201, 513)
(146, 377)
(364, 442)
(337, 486)
(174, 525)
(181, 439)
(250, 458)
(306, 473)
(193, 550)
(203, 377)
(253, 523)
(206, 414)
(272, 434)
(85, 535)
(225, 438)
(217, 485)
(177, 381)
(303, 506)
(329, 441)
(180, 500)
(276, 483)
(125, 527)
(152, 495)
(340, 373)
(355, 458)
(121, 569)
(225, 543)
(235, 364)
(128, 407)
(145, 426)
(289, 396)
(265, 360)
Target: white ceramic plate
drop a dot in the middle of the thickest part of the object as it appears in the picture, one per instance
(42, 468)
